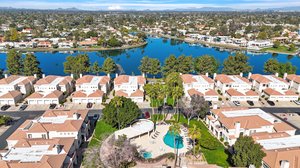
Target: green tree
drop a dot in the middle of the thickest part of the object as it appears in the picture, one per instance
(31, 65)
(120, 112)
(1, 73)
(247, 152)
(194, 133)
(185, 64)
(113, 42)
(262, 35)
(236, 64)
(145, 65)
(276, 44)
(170, 65)
(14, 62)
(272, 66)
(175, 131)
(292, 47)
(96, 69)
(287, 68)
(206, 64)
(155, 67)
(152, 90)
(77, 65)
(109, 66)
(14, 35)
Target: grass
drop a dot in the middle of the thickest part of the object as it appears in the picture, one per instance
(217, 156)
(101, 131)
(280, 49)
(157, 102)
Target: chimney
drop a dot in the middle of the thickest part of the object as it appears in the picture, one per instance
(206, 74)
(241, 74)
(143, 74)
(5, 75)
(72, 75)
(249, 75)
(180, 73)
(215, 75)
(284, 76)
(215, 106)
(284, 164)
(276, 74)
(80, 75)
(43, 76)
(237, 127)
(117, 75)
(35, 76)
(108, 75)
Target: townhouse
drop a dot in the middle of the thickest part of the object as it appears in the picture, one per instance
(294, 81)
(238, 82)
(51, 89)
(230, 123)
(52, 140)
(14, 88)
(281, 152)
(199, 85)
(91, 89)
(130, 87)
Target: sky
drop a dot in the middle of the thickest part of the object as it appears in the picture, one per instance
(146, 4)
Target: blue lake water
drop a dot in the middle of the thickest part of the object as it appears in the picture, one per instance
(52, 63)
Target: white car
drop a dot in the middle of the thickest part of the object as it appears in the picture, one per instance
(237, 103)
(297, 102)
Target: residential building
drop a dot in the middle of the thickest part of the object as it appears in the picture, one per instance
(294, 81)
(261, 82)
(257, 45)
(234, 95)
(54, 97)
(52, 140)
(130, 87)
(230, 123)
(274, 95)
(200, 85)
(14, 88)
(238, 82)
(51, 83)
(281, 152)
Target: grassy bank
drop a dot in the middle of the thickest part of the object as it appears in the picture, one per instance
(280, 50)
(101, 131)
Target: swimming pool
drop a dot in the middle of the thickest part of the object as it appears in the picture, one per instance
(147, 155)
(169, 140)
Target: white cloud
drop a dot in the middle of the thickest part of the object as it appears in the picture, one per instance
(114, 7)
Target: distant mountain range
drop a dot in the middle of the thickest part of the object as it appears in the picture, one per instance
(203, 9)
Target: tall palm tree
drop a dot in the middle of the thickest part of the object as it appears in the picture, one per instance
(177, 92)
(151, 91)
(194, 133)
(175, 131)
(118, 102)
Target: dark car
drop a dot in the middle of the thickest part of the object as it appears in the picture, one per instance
(23, 107)
(146, 115)
(89, 105)
(96, 116)
(52, 106)
(250, 103)
(271, 103)
(5, 107)
(209, 103)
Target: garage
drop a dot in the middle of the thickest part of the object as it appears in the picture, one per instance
(40, 102)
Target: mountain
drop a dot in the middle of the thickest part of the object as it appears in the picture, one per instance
(206, 9)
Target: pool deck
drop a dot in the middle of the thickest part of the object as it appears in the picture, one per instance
(157, 146)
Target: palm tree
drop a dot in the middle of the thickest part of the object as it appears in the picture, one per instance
(118, 102)
(151, 91)
(194, 133)
(177, 92)
(175, 131)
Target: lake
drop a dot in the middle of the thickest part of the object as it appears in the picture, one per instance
(52, 63)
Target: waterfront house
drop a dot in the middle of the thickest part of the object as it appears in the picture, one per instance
(199, 85)
(261, 82)
(259, 44)
(130, 87)
(229, 123)
(23, 84)
(238, 82)
(91, 89)
(294, 81)
(52, 140)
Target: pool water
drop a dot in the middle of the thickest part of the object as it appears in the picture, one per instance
(169, 140)
(147, 155)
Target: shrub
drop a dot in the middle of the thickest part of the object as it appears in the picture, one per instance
(222, 139)
(210, 143)
(226, 143)
(220, 99)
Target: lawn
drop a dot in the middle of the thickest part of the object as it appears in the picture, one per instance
(101, 131)
(217, 156)
(157, 103)
(280, 49)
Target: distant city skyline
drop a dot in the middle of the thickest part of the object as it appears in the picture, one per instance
(146, 4)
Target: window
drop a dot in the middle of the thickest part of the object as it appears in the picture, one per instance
(29, 136)
(44, 136)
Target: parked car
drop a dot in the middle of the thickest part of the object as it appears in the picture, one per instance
(146, 115)
(23, 107)
(297, 102)
(271, 103)
(89, 105)
(52, 106)
(209, 103)
(250, 103)
(5, 107)
(237, 103)
(96, 116)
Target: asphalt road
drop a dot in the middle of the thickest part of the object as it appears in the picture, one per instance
(21, 116)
